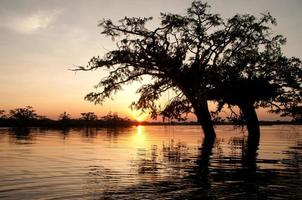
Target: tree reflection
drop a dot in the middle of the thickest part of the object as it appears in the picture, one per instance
(184, 170)
(236, 174)
(204, 159)
(249, 155)
(90, 132)
(172, 159)
(112, 133)
(21, 135)
(64, 132)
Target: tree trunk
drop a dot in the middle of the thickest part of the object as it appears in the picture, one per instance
(252, 123)
(204, 118)
(250, 155)
(203, 160)
(201, 110)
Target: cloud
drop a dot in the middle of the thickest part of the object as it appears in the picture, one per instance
(33, 22)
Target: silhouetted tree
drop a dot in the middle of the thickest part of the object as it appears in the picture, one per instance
(2, 114)
(64, 116)
(89, 116)
(174, 55)
(113, 120)
(23, 116)
(295, 113)
(2, 117)
(252, 72)
(198, 56)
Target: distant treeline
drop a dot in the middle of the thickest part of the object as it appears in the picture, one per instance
(27, 117)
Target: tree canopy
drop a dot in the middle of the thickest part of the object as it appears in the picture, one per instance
(200, 57)
(89, 116)
(64, 116)
(23, 114)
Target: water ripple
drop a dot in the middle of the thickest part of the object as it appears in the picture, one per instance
(151, 162)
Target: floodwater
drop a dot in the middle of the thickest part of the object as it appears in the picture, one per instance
(149, 162)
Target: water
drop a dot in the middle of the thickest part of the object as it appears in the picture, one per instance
(151, 162)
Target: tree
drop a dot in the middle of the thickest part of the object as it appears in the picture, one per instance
(295, 113)
(111, 117)
(253, 72)
(171, 54)
(23, 116)
(64, 116)
(2, 114)
(194, 55)
(89, 116)
(2, 117)
(113, 120)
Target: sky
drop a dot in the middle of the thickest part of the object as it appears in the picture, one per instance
(41, 40)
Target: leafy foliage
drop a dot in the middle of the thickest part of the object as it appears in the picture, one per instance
(199, 56)
(295, 113)
(89, 116)
(64, 116)
(23, 114)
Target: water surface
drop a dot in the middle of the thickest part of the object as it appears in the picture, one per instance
(149, 162)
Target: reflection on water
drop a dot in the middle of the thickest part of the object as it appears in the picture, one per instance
(153, 162)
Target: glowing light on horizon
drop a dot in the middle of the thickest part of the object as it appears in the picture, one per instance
(138, 115)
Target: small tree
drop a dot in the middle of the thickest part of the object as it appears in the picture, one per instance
(111, 117)
(113, 120)
(64, 116)
(22, 116)
(89, 116)
(2, 114)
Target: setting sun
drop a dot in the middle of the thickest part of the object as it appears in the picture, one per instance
(137, 99)
(138, 115)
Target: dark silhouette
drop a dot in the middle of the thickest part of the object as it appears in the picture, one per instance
(20, 134)
(113, 120)
(27, 117)
(89, 119)
(2, 114)
(203, 160)
(3, 117)
(171, 54)
(89, 116)
(296, 113)
(259, 76)
(64, 116)
(23, 116)
(200, 57)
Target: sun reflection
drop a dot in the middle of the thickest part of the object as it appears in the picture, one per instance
(139, 137)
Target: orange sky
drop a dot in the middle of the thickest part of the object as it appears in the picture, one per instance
(41, 40)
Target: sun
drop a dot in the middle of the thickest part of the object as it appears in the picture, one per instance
(139, 119)
(138, 115)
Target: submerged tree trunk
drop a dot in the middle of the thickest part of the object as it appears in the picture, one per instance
(250, 155)
(204, 118)
(203, 160)
(201, 110)
(252, 123)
